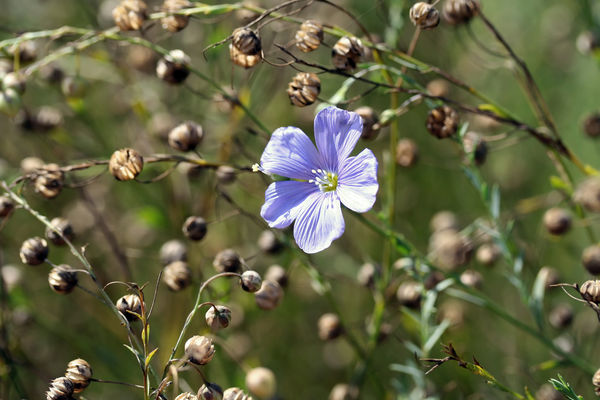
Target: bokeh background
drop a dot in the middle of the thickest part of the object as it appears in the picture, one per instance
(121, 103)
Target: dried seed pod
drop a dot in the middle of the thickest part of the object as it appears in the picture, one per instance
(175, 22)
(557, 220)
(438, 87)
(424, 15)
(60, 389)
(79, 372)
(125, 164)
(241, 59)
(246, 41)
(551, 276)
(227, 260)
(210, 391)
(268, 242)
(62, 279)
(450, 249)
(130, 15)
(15, 81)
(64, 227)
(7, 205)
(130, 305)
(347, 52)
(329, 326)
(367, 274)
(194, 228)
(173, 250)
(26, 52)
(443, 220)
(596, 379)
(235, 393)
(309, 36)
(561, 316)
(199, 350)
(177, 275)
(442, 122)
(471, 278)
(49, 181)
(34, 251)
(488, 253)
(475, 146)
(47, 119)
(261, 382)
(186, 396)
(590, 259)
(276, 273)
(174, 67)
(460, 11)
(52, 74)
(218, 317)
(409, 294)
(343, 391)
(407, 153)
(225, 174)
(304, 89)
(588, 194)
(590, 291)
(269, 296)
(251, 281)
(591, 125)
(185, 136)
(370, 121)
(587, 42)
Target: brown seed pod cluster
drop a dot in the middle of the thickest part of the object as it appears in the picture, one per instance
(424, 15)
(194, 228)
(442, 122)
(130, 305)
(458, 12)
(175, 22)
(185, 136)
(346, 53)
(60, 389)
(245, 48)
(218, 317)
(79, 372)
(62, 279)
(370, 121)
(125, 164)
(199, 350)
(309, 36)
(304, 89)
(177, 275)
(34, 251)
(407, 153)
(49, 180)
(64, 227)
(174, 68)
(590, 291)
(251, 281)
(130, 15)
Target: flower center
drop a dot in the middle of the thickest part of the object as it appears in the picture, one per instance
(326, 181)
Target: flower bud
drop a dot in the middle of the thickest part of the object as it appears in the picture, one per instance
(79, 372)
(343, 391)
(173, 250)
(424, 15)
(304, 89)
(130, 305)
(210, 391)
(194, 228)
(186, 396)
(235, 393)
(130, 15)
(276, 273)
(591, 259)
(460, 11)
(370, 122)
(367, 274)
(407, 153)
(174, 67)
(225, 174)
(185, 136)
(591, 125)
(177, 275)
(557, 221)
(7, 205)
(261, 382)
(442, 122)
(218, 317)
(488, 253)
(409, 294)
(561, 316)
(175, 23)
(64, 227)
(34, 251)
(471, 278)
(49, 181)
(199, 350)
(309, 36)
(251, 281)
(588, 194)
(475, 146)
(62, 279)
(347, 52)
(330, 326)
(590, 291)
(269, 296)
(125, 164)
(227, 260)
(60, 389)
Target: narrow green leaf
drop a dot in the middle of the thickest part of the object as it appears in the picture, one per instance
(149, 358)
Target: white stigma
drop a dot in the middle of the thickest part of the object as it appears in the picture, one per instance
(326, 181)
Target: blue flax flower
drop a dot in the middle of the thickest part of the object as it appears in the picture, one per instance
(320, 178)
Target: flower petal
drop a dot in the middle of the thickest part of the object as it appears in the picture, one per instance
(320, 222)
(357, 181)
(290, 153)
(336, 134)
(283, 201)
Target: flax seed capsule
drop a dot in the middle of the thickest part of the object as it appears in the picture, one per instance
(370, 121)
(62, 279)
(130, 15)
(175, 22)
(177, 275)
(199, 350)
(458, 12)
(347, 52)
(174, 67)
(63, 226)
(309, 36)
(129, 305)
(34, 251)
(185, 136)
(125, 164)
(590, 291)
(442, 122)
(195, 228)
(424, 15)
(218, 318)
(60, 389)
(210, 391)
(49, 181)
(79, 372)
(304, 89)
